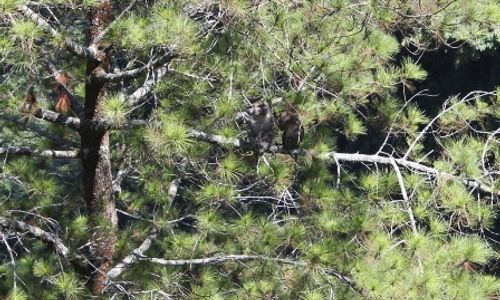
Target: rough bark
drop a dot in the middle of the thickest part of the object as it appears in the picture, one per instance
(96, 165)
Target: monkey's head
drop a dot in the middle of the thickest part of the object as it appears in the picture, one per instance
(261, 108)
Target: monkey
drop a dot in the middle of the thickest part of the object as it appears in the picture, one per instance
(30, 104)
(293, 130)
(260, 127)
(63, 103)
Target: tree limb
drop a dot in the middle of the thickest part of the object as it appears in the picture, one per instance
(99, 37)
(66, 154)
(70, 44)
(57, 118)
(37, 130)
(148, 86)
(214, 139)
(131, 258)
(167, 58)
(46, 237)
(238, 258)
(356, 157)
(406, 199)
(351, 157)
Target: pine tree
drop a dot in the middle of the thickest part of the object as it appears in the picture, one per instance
(129, 170)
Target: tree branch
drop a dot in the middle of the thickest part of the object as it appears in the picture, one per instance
(130, 259)
(353, 157)
(66, 154)
(468, 97)
(214, 139)
(42, 132)
(46, 237)
(407, 203)
(70, 44)
(164, 60)
(239, 258)
(99, 37)
(356, 157)
(148, 85)
(57, 118)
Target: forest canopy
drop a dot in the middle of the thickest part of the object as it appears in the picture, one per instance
(249, 149)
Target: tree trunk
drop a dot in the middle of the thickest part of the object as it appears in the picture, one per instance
(96, 164)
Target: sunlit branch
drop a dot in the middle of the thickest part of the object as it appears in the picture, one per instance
(130, 259)
(66, 154)
(57, 118)
(241, 258)
(70, 44)
(148, 86)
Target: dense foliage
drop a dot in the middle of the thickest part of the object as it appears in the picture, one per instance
(414, 218)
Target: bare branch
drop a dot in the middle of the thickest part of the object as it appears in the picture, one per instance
(147, 87)
(130, 259)
(239, 258)
(356, 157)
(67, 154)
(468, 97)
(57, 118)
(214, 139)
(165, 59)
(99, 37)
(352, 157)
(70, 44)
(46, 237)
(42, 132)
(405, 196)
(12, 260)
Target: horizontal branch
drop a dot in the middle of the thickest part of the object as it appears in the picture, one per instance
(240, 258)
(57, 118)
(356, 157)
(214, 139)
(67, 154)
(46, 237)
(353, 157)
(70, 44)
(35, 129)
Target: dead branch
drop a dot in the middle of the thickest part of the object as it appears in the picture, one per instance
(66, 154)
(48, 238)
